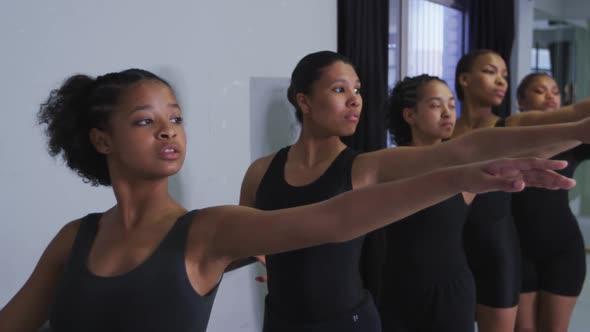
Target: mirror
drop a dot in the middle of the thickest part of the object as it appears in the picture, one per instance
(561, 47)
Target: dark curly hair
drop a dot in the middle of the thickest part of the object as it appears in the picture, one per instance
(80, 104)
(308, 70)
(526, 82)
(465, 65)
(405, 94)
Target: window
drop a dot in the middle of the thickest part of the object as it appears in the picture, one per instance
(540, 60)
(394, 42)
(431, 42)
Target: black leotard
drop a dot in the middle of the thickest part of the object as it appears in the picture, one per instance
(319, 284)
(551, 241)
(427, 283)
(155, 296)
(493, 250)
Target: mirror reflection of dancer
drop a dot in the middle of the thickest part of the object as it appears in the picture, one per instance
(491, 238)
(554, 260)
(320, 288)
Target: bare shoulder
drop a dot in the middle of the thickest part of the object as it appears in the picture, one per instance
(252, 179)
(70, 229)
(61, 245)
(259, 167)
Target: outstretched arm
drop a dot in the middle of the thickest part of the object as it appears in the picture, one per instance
(478, 145)
(236, 231)
(571, 113)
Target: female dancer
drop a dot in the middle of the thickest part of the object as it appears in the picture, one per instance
(554, 262)
(427, 283)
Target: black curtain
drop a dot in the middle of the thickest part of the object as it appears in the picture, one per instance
(491, 26)
(363, 36)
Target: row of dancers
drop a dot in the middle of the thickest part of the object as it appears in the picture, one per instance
(444, 195)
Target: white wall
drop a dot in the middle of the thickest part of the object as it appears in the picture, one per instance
(208, 49)
(554, 7)
(576, 9)
(566, 9)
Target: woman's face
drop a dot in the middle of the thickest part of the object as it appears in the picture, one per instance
(541, 94)
(334, 104)
(145, 138)
(486, 83)
(433, 117)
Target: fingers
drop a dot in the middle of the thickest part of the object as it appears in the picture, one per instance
(508, 184)
(517, 185)
(514, 175)
(539, 178)
(546, 164)
(261, 259)
(548, 179)
(533, 163)
(262, 278)
(511, 167)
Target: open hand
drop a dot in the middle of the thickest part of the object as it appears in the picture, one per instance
(514, 175)
(262, 260)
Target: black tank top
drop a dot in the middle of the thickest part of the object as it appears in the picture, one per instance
(317, 283)
(490, 206)
(426, 247)
(544, 216)
(155, 296)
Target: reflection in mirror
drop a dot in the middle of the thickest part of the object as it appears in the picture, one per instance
(561, 47)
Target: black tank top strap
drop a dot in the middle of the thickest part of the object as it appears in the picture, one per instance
(176, 239)
(341, 167)
(173, 242)
(347, 156)
(84, 239)
(276, 168)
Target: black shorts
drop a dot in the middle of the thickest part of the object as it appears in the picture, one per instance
(559, 270)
